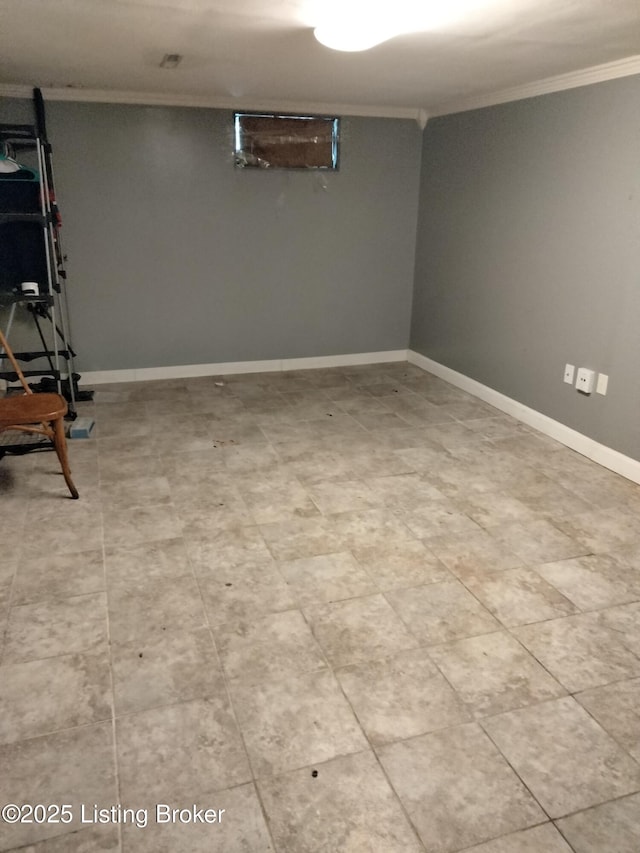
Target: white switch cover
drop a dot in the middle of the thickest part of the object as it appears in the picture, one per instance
(569, 372)
(603, 382)
(586, 380)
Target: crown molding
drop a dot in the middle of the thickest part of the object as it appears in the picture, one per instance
(586, 77)
(164, 99)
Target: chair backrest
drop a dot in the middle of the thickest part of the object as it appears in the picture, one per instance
(4, 347)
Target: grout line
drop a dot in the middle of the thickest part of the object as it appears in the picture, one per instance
(232, 707)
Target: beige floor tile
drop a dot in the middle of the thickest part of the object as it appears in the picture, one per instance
(497, 426)
(43, 696)
(563, 756)
(271, 647)
(594, 582)
(579, 651)
(11, 551)
(455, 436)
(213, 492)
(313, 464)
(225, 433)
(404, 490)
(471, 552)
(427, 458)
(327, 577)
(537, 541)
(519, 596)
(163, 668)
(624, 621)
(364, 463)
(180, 753)
(358, 404)
(71, 767)
(358, 630)
(469, 410)
(617, 708)
(245, 591)
(96, 839)
(401, 697)
(493, 673)
(436, 518)
(331, 496)
(239, 826)
(381, 420)
(178, 439)
(366, 528)
(539, 839)
(63, 536)
(302, 537)
(400, 563)
(150, 561)
(347, 805)
(611, 826)
(417, 411)
(629, 554)
(59, 627)
(457, 788)
(203, 522)
(602, 530)
(295, 723)
(59, 576)
(140, 524)
(225, 548)
(144, 609)
(532, 446)
(129, 461)
(550, 498)
(458, 473)
(140, 491)
(489, 509)
(197, 464)
(440, 612)
(248, 457)
(5, 598)
(267, 504)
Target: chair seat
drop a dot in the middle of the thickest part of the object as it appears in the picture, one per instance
(31, 409)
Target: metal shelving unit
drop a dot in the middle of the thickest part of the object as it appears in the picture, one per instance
(31, 250)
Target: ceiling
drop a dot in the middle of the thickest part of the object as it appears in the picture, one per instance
(254, 53)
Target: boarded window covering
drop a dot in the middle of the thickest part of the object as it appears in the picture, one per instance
(286, 142)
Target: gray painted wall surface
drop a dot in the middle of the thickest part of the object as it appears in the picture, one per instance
(528, 252)
(176, 257)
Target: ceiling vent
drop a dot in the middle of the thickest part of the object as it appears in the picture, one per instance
(171, 60)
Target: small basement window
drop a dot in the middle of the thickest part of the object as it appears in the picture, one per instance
(268, 141)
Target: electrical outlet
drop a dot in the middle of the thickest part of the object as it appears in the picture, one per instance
(602, 383)
(586, 379)
(569, 371)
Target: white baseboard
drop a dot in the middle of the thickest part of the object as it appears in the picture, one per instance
(600, 453)
(186, 371)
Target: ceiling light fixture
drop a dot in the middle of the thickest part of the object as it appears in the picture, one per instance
(354, 25)
(353, 36)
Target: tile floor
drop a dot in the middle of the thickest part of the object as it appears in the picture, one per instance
(357, 609)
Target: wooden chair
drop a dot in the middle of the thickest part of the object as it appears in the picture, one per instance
(41, 414)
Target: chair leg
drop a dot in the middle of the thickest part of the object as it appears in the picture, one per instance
(60, 444)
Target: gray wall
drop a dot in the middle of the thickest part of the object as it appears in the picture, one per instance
(528, 252)
(176, 257)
